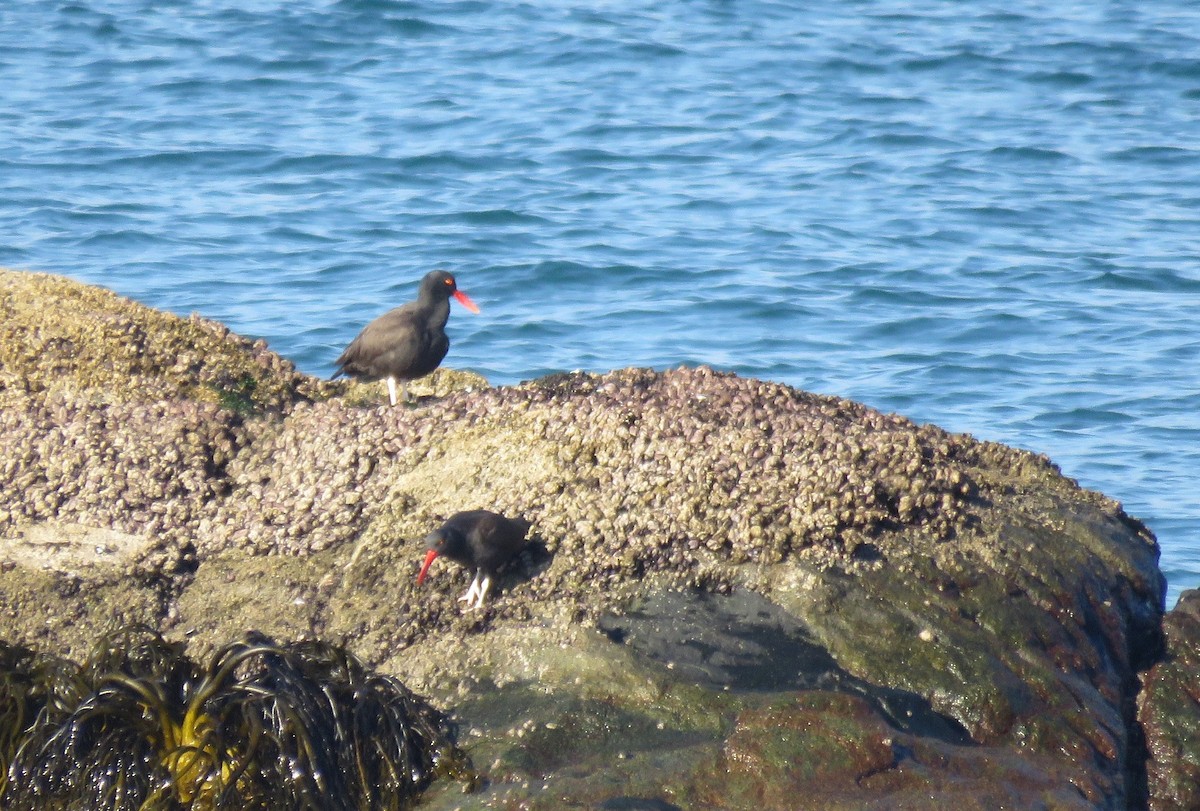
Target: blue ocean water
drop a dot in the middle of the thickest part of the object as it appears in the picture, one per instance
(984, 216)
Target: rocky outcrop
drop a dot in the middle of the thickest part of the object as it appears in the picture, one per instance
(86, 343)
(740, 595)
(1170, 711)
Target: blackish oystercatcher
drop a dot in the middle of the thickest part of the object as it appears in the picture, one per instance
(479, 540)
(407, 342)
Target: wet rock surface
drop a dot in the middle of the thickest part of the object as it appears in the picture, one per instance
(884, 608)
(741, 641)
(744, 642)
(1170, 710)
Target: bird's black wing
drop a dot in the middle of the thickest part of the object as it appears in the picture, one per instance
(390, 344)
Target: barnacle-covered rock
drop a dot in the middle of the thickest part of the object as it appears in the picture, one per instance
(973, 620)
(137, 467)
(60, 336)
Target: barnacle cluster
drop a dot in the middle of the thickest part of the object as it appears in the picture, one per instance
(625, 473)
(311, 483)
(137, 467)
(110, 422)
(664, 471)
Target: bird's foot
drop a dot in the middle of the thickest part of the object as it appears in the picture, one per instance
(477, 592)
(472, 593)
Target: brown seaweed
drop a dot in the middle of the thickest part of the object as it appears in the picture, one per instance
(139, 726)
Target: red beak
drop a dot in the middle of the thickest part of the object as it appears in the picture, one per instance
(465, 301)
(428, 560)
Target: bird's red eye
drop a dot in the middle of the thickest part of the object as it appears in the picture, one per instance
(449, 281)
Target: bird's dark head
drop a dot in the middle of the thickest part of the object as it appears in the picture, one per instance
(446, 541)
(440, 285)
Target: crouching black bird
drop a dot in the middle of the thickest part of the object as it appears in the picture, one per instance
(478, 539)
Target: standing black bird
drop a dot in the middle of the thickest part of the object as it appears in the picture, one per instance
(407, 342)
(479, 540)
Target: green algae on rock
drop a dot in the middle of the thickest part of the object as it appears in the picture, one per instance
(59, 336)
